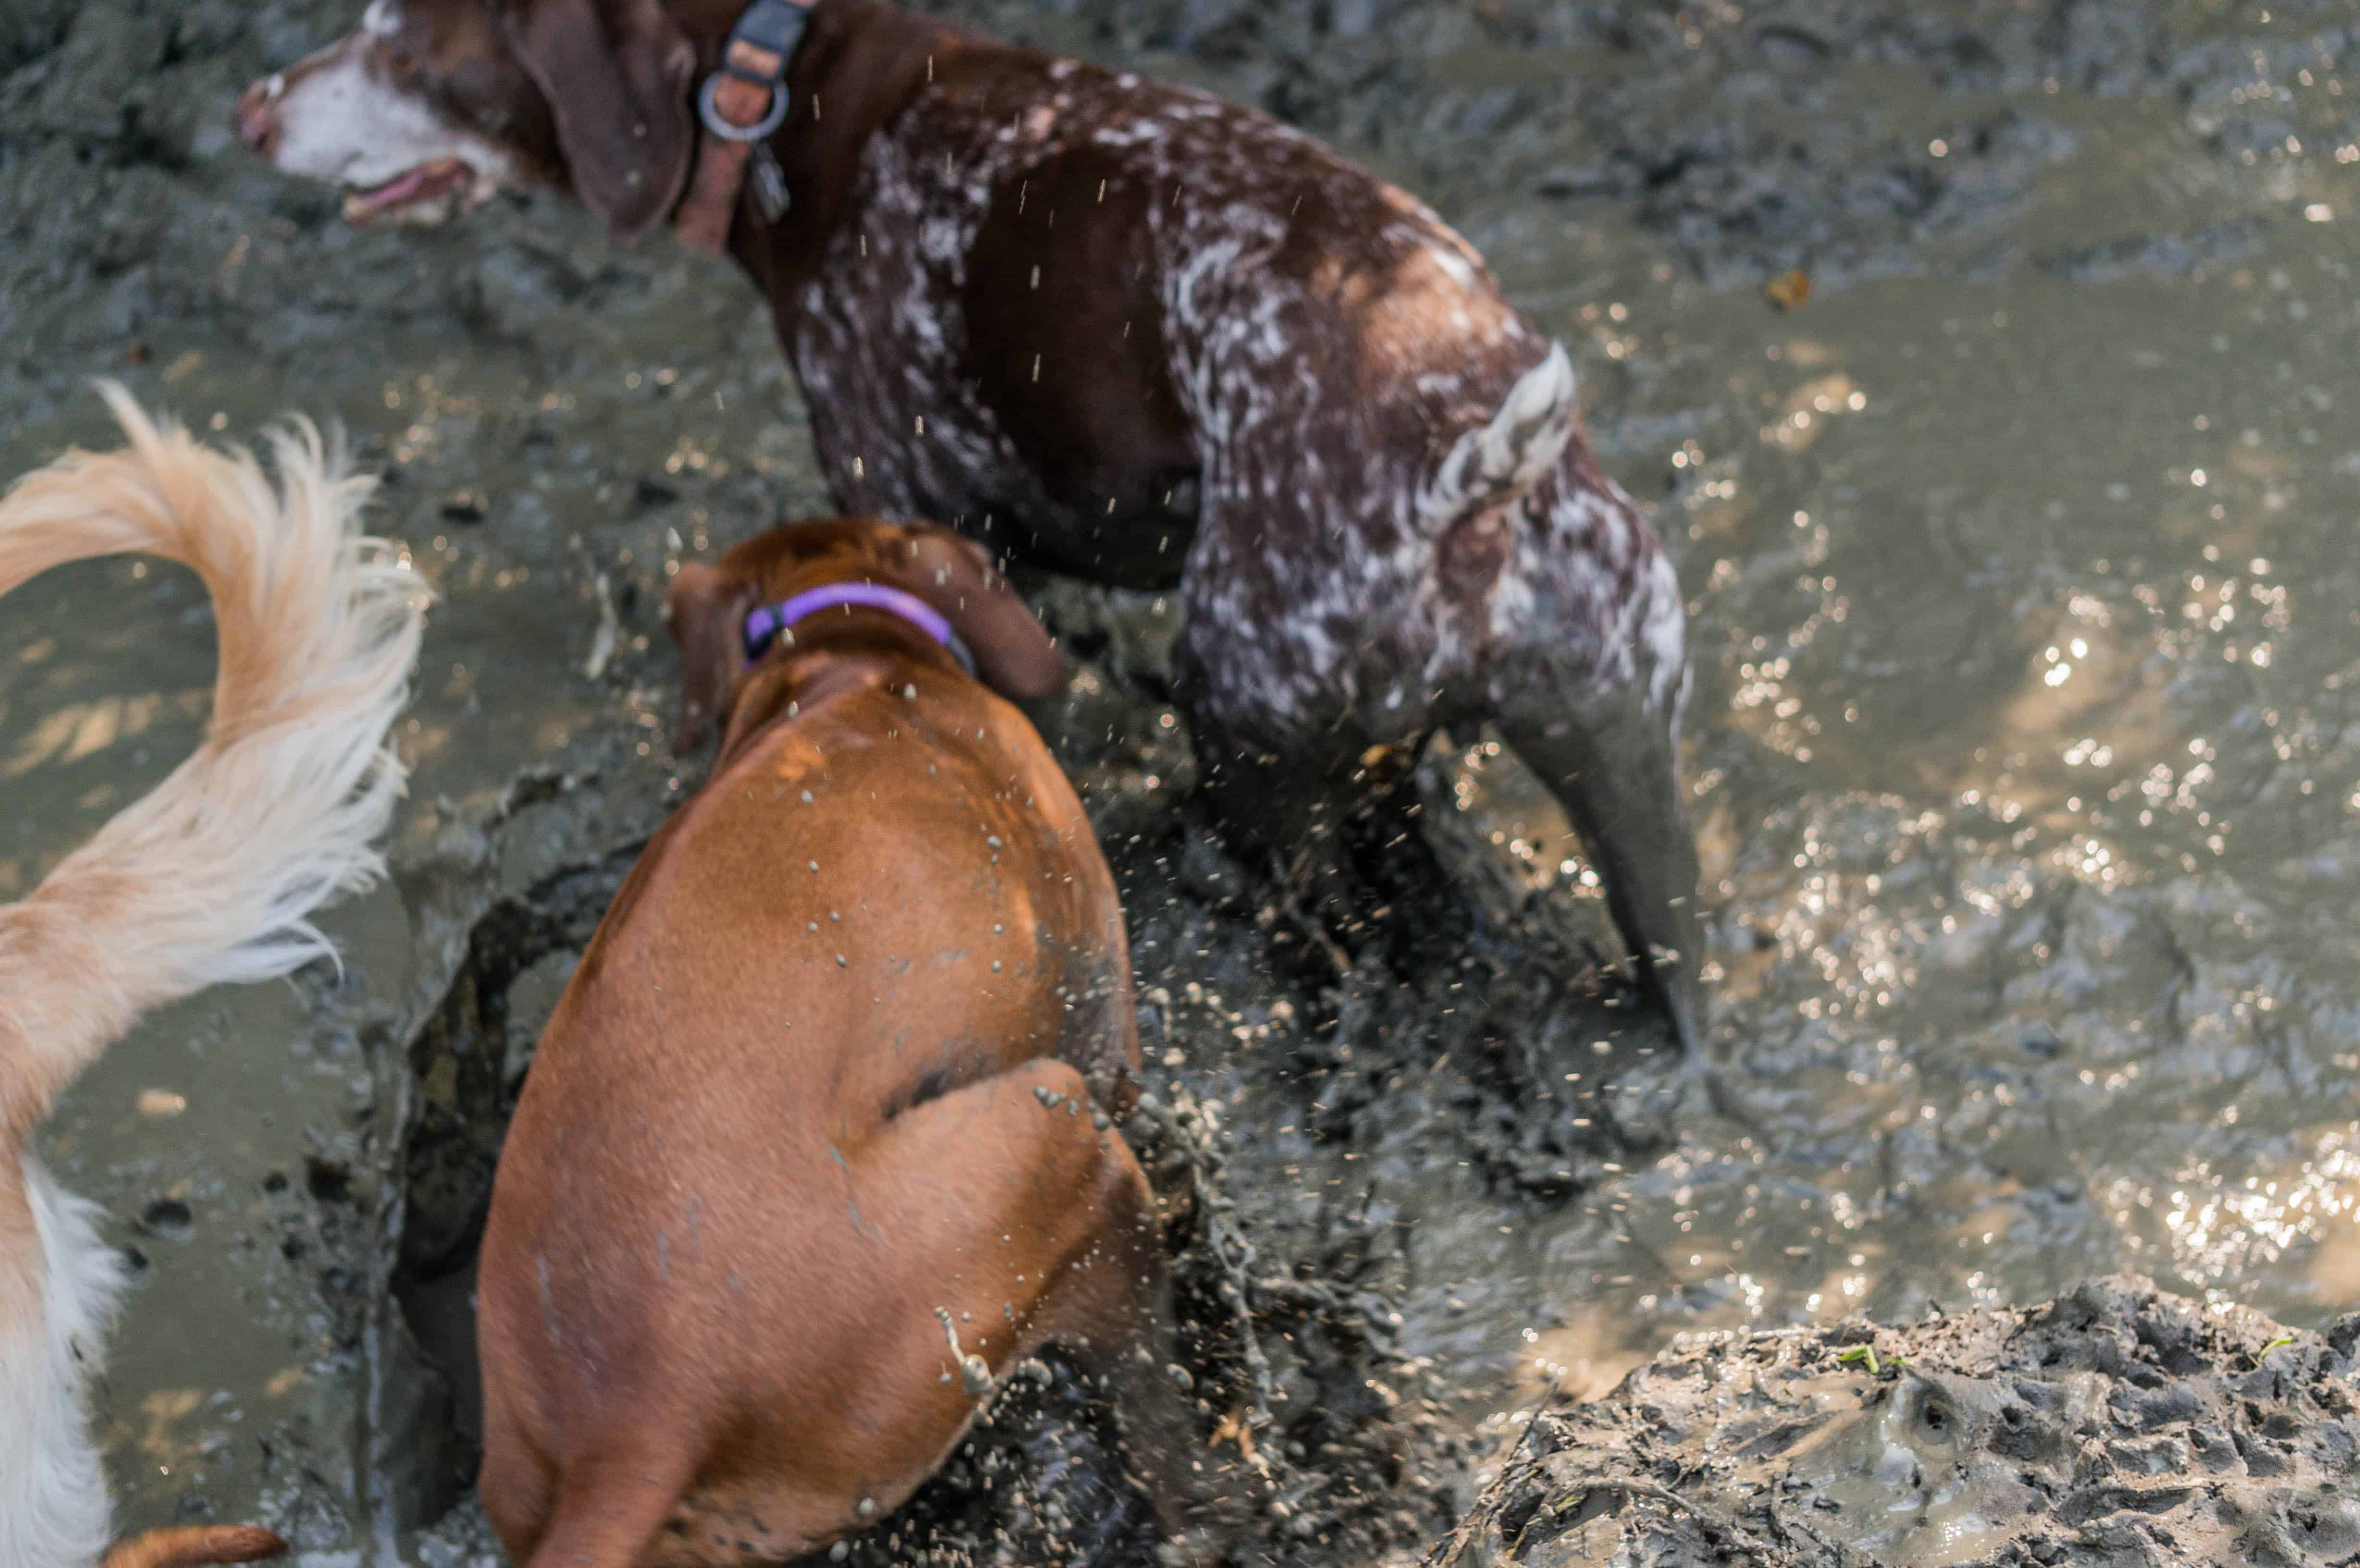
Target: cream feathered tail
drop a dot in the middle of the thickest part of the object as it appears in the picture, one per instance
(211, 877)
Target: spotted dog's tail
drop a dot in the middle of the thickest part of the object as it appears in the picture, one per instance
(210, 877)
(1500, 460)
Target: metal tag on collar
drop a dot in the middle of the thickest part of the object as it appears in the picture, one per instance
(768, 182)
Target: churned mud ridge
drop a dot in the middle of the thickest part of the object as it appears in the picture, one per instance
(2116, 1425)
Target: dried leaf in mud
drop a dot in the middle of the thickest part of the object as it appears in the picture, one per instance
(1790, 290)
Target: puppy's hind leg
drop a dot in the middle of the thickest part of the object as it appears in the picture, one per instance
(1115, 1320)
(1010, 1206)
(1109, 1305)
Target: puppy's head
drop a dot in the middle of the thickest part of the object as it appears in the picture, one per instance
(432, 105)
(707, 605)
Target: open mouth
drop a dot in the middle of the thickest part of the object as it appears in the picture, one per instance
(447, 180)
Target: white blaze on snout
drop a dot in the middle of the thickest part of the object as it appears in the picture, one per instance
(341, 122)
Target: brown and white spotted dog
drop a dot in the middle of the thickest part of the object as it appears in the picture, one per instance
(1127, 330)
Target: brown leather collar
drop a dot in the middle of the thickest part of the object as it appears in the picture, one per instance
(741, 105)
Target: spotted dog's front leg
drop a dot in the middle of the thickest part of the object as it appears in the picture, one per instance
(1328, 816)
(1270, 796)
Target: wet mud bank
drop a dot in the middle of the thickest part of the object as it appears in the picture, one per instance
(2118, 1424)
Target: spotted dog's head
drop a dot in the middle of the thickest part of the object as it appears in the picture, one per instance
(432, 105)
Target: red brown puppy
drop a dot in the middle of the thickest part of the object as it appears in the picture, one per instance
(818, 1139)
(1121, 330)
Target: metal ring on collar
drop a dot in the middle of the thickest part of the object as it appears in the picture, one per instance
(707, 112)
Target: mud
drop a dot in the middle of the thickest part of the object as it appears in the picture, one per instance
(2116, 1425)
(2023, 740)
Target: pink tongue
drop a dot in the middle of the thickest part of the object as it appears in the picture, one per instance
(363, 205)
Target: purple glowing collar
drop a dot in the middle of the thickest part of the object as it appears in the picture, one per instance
(766, 623)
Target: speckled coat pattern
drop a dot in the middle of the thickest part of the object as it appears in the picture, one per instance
(1129, 331)
(1329, 340)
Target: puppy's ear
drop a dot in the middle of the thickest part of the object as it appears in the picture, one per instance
(617, 75)
(1012, 653)
(705, 608)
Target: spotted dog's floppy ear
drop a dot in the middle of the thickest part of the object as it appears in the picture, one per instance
(1012, 653)
(705, 608)
(617, 75)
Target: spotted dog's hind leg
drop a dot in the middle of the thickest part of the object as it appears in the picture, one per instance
(1590, 637)
(1610, 764)
(1419, 904)
(1272, 805)
(1334, 827)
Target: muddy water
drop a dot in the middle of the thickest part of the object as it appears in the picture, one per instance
(2029, 784)
(2027, 766)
